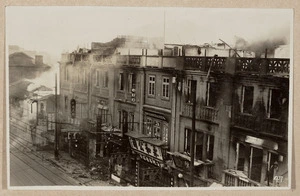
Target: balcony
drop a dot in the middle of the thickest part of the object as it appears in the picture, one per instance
(237, 178)
(268, 126)
(263, 66)
(202, 112)
(274, 127)
(245, 121)
(205, 63)
(129, 60)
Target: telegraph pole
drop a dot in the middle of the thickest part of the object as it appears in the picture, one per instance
(192, 148)
(56, 123)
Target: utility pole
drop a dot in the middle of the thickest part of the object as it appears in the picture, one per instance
(56, 123)
(192, 148)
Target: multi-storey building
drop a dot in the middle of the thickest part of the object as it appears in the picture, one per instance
(142, 94)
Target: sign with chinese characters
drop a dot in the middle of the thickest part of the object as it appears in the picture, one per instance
(146, 148)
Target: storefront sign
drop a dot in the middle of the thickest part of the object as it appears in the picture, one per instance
(146, 148)
(261, 142)
(150, 160)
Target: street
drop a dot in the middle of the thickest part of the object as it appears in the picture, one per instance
(26, 171)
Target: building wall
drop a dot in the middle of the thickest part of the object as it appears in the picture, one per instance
(157, 99)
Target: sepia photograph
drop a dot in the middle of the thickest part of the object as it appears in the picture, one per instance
(128, 97)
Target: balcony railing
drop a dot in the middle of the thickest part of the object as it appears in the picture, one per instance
(134, 60)
(234, 179)
(245, 121)
(242, 65)
(206, 63)
(274, 127)
(269, 126)
(263, 66)
(202, 112)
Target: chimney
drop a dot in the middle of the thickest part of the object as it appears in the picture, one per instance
(38, 60)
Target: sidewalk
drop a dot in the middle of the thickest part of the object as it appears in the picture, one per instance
(75, 169)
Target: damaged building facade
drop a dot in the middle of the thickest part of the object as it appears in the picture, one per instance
(134, 104)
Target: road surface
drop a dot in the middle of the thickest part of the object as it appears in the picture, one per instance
(25, 171)
(27, 168)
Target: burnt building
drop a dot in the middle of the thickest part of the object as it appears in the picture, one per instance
(134, 103)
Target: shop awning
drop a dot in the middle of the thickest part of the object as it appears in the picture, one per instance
(145, 138)
(186, 157)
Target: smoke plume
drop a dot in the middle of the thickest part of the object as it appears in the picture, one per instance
(259, 45)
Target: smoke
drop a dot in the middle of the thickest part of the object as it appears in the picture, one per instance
(259, 45)
(45, 79)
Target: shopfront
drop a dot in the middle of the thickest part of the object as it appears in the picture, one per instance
(150, 160)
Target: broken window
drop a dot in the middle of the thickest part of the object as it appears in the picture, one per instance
(188, 89)
(97, 78)
(121, 81)
(131, 82)
(210, 147)
(275, 102)
(199, 144)
(250, 160)
(211, 94)
(105, 79)
(247, 99)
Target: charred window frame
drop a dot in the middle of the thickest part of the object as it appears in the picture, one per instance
(120, 119)
(104, 114)
(131, 82)
(97, 78)
(151, 87)
(166, 88)
(188, 89)
(210, 147)
(211, 94)
(121, 81)
(201, 141)
(247, 99)
(105, 79)
(274, 103)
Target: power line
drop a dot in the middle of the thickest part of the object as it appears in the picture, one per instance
(39, 136)
(27, 123)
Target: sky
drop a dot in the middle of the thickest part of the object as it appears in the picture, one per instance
(62, 29)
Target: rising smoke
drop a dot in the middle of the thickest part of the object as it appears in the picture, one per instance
(259, 45)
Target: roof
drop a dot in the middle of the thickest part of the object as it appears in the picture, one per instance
(20, 59)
